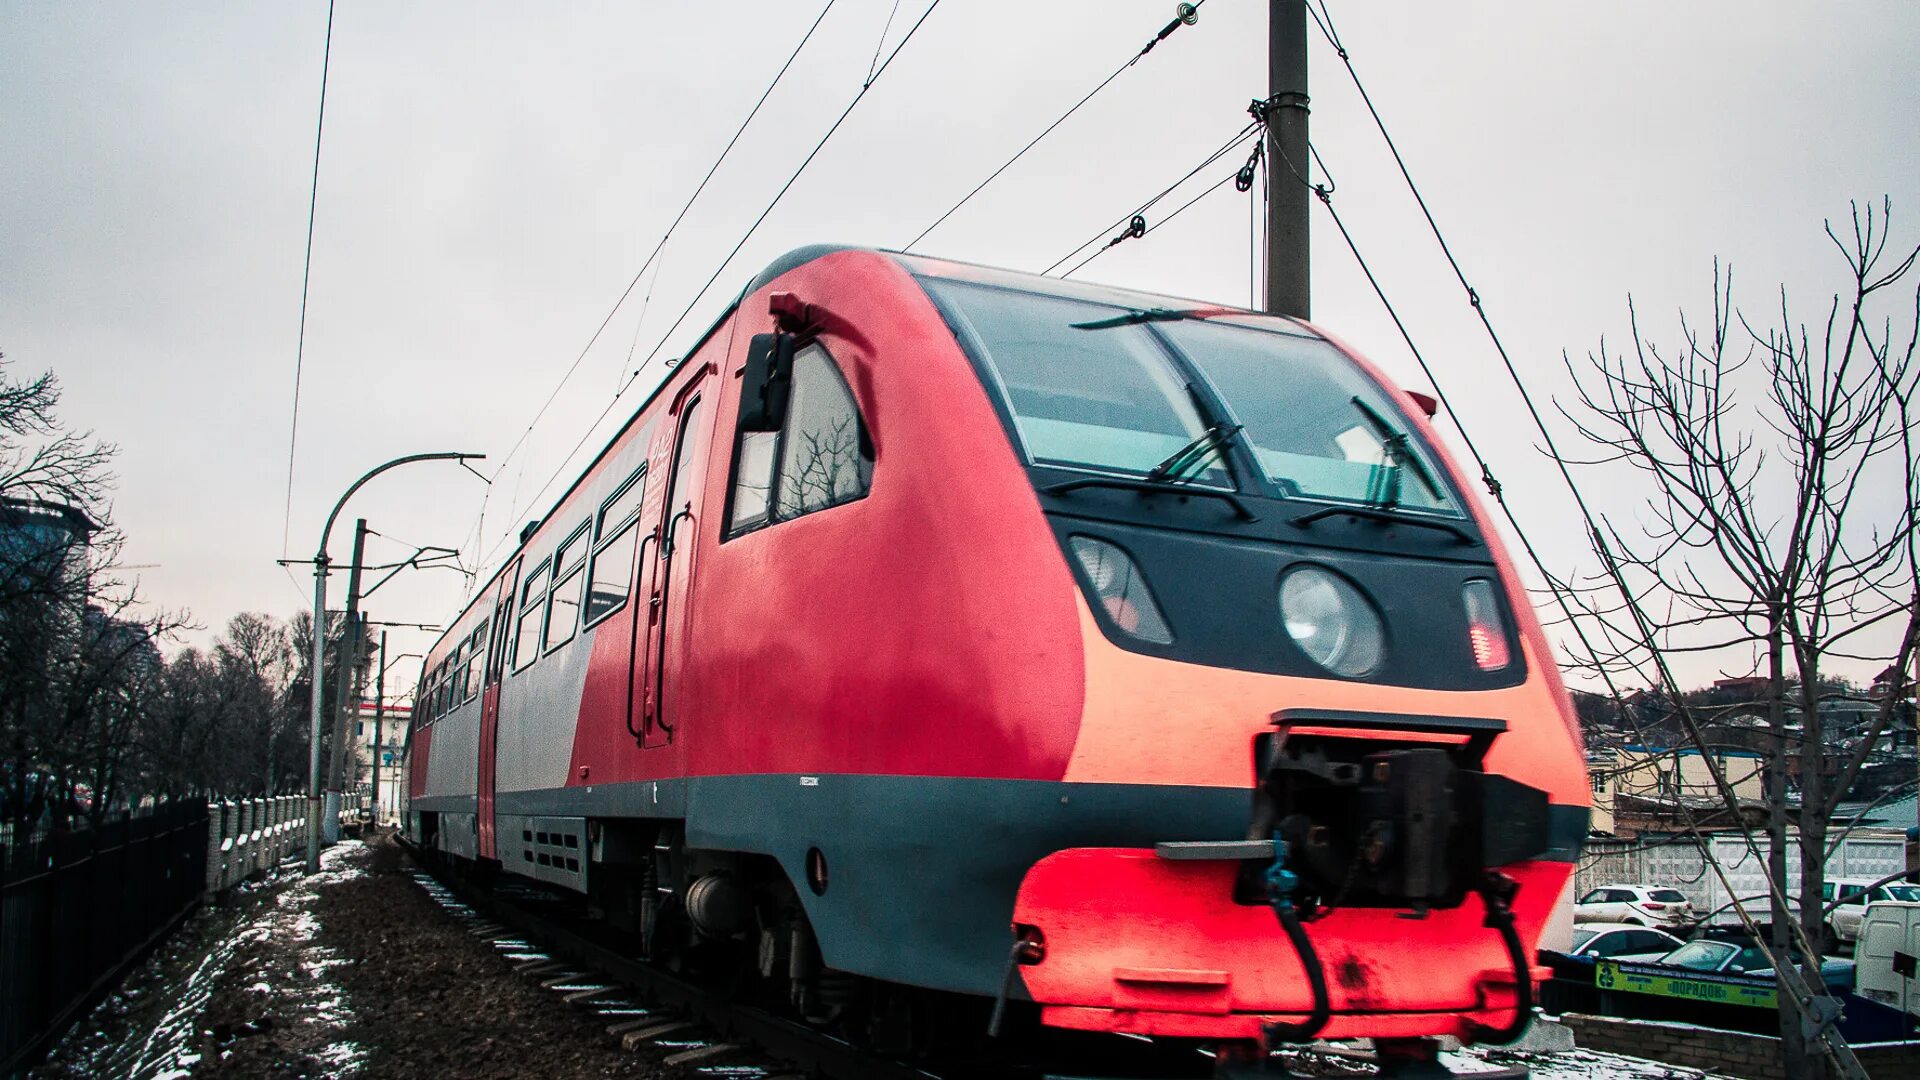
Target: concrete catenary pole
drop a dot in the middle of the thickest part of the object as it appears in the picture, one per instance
(379, 714)
(345, 705)
(1288, 160)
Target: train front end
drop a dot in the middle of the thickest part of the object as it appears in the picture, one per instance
(1286, 591)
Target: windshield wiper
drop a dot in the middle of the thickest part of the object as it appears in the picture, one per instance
(1184, 465)
(1147, 315)
(1385, 517)
(1398, 450)
(1149, 488)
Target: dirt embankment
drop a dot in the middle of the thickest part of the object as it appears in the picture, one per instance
(355, 971)
(386, 985)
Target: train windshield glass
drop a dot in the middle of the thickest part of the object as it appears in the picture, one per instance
(1111, 399)
(1318, 426)
(1092, 385)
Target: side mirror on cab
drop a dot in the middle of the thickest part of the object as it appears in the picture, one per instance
(767, 382)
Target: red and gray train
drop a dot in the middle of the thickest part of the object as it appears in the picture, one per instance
(943, 633)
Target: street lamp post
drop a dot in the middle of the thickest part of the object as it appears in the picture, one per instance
(320, 563)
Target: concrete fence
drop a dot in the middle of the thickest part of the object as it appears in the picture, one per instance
(251, 836)
(1683, 863)
(248, 836)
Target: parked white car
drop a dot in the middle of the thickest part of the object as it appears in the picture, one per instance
(1855, 895)
(1616, 941)
(1640, 905)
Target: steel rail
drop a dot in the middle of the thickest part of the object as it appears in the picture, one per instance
(792, 1044)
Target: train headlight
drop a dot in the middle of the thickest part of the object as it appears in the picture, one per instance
(1331, 622)
(1122, 589)
(1486, 629)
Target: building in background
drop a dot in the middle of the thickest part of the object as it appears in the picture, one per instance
(379, 738)
(1655, 789)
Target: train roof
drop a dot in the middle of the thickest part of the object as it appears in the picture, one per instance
(917, 265)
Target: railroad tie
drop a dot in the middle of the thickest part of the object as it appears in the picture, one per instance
(562, 980)
(688, 1057)
(639, 1037)
(620, 1030)
(579, 996)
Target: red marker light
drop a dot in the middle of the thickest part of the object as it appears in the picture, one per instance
(1486, 629)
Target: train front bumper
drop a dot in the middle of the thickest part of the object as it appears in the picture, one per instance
(1135, 943)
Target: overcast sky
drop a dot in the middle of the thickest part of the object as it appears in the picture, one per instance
(494, 174)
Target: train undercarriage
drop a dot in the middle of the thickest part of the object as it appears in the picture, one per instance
(734, 924)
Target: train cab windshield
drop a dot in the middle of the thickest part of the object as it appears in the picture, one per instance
(1091, 388)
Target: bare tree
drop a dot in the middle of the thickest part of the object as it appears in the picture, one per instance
(40, 460)
(1779, 536)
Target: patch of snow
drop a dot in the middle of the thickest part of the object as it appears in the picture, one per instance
(1570, 1065)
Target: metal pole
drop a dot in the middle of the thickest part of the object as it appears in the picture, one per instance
(346, 705)
(316, 690)
(1289, 164)
(379, 714)
(320, 642)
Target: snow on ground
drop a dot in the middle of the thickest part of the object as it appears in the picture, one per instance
(150, 1029)
(289, 926)
(1576, 1064)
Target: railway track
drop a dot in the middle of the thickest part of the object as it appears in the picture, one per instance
(706, 1034)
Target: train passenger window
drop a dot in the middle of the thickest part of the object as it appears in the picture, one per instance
(615, 536)
(477, 660)
(624, 505)
(563, 604)
(818, 459)
(457, 675)
(526, 641)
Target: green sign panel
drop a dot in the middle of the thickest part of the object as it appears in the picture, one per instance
(1719, 989)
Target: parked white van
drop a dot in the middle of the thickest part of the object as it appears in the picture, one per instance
(1885, 958)
(1854, 897)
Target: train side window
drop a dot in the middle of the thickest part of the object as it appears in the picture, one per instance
(457, 676)
(476, 660)
(526, 641)
(563, 603)
(753, 480)
(502, 627)
(616, 533)
(819, 458)
(823, 459)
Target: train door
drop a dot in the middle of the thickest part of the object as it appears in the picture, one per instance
(498, 636)
(670, 572)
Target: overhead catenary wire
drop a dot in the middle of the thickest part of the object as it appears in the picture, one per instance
(1130, 234)
(1558, 589)
(882, 43)
(1179, 20)
(306, 279)
(859, 96)
(1239, 137)
(1324, 20)
(664, 238)
(1138, 228)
